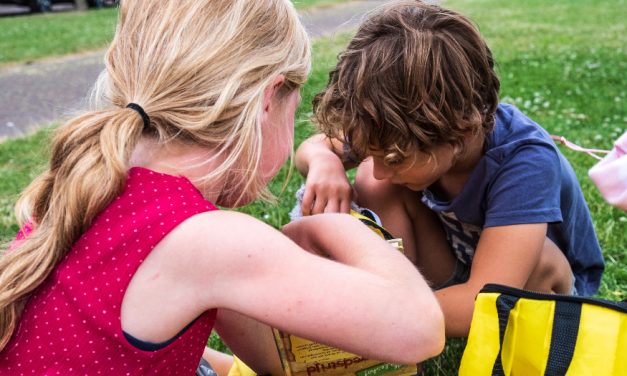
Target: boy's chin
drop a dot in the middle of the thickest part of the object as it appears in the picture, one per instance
(413, 187)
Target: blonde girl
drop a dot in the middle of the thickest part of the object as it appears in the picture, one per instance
(124, 264)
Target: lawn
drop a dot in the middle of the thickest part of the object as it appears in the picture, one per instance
(562, 62)
(32, 37)
(309, 4)
(37, 36)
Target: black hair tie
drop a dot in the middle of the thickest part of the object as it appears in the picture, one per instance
(141, 112)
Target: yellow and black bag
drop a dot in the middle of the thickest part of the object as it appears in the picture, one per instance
(520, 333)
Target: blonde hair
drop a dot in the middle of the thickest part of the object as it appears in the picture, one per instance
(199, 69)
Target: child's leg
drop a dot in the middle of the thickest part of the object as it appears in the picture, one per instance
(553, 273)
(404, 215)
(252, 341)
(220, 362)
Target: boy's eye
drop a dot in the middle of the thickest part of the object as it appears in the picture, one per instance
(393, 161)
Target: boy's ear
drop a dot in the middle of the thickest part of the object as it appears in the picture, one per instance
(271, 90)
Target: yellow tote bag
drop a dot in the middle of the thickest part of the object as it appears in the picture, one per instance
(239, 368)
(520, 333)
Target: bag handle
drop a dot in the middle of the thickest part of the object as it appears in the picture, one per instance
(563, 337)
(504, 304)
(592, 152)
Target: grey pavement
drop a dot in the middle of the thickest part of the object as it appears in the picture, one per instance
(38, 93)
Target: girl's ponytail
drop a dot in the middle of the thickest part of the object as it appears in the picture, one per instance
(88, 168)
(201, 75)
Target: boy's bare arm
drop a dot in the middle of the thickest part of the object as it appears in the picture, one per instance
(327, 188)
(506, 255)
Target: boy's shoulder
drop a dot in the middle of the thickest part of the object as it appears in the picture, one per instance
(515, 132)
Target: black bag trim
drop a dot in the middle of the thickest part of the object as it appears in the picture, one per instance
(566, 320)
(371, 223)
(504, 304)
(493, 287)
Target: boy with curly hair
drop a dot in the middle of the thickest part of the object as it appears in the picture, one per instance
(477, 190)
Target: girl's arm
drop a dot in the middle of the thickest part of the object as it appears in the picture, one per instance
(368, 300)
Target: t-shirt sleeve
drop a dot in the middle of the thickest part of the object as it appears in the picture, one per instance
(526, 188)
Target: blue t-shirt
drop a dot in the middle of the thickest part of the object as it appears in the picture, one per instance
(523, 178)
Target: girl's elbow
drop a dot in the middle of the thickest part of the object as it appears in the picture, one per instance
(432, 338)
(438, 337)
(427, 339)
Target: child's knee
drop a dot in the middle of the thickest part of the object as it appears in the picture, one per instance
(369, 189)
(363, 177)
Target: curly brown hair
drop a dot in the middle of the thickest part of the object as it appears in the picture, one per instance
(414, 76)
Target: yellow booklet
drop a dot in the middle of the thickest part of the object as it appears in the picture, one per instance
(301, 357)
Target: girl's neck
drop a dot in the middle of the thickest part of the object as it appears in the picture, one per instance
(178, 159)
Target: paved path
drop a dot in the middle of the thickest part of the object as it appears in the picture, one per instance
(36, 94)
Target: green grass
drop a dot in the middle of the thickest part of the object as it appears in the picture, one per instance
(34, 37)
(561, 62)
(21, 160)
(308, 4)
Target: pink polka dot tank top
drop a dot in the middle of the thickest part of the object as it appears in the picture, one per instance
(71, 325)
